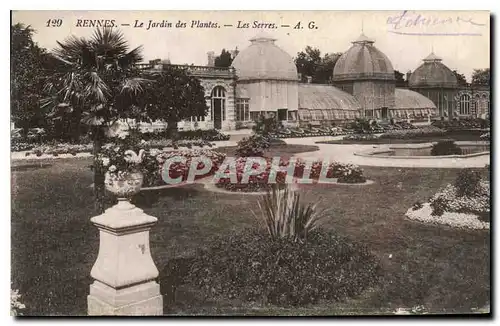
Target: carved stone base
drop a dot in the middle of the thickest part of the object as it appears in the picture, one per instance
(139, 300)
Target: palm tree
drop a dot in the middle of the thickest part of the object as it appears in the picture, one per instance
(95, 81)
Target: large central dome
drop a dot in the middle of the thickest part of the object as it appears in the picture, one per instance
(363, 61)
(264, 60)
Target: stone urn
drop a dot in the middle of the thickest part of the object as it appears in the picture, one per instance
(124, 184)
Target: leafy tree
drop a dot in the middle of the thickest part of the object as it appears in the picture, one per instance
(225, 59)
(307, 62)
(460, 78)
(174, 96)
(310, 63)
(96, 79)
(25, 84)
(481, 77)
(400, 80)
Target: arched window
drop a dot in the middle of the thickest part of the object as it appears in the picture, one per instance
(218, 106)
(464, 104)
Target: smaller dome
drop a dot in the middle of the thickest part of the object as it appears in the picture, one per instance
(264, 60)
(433, 73)
(363, 61)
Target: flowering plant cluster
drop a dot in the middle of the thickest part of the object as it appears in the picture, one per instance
(119, 160)
(253, 146)
(15, 304)
(349, 173)
(19, 146)
(449, 200)
(308, 132)
(154, 160)
(413, 133)
(463, 124)
(206, 135)
(345, 173)
(255, 183)
(161, 143)
(58, 149)
(360, 137)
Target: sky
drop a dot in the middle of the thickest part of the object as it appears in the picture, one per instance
(460, 38)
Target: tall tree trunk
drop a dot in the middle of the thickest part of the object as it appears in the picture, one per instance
(172, 130)
(99, 189)
(76, 124)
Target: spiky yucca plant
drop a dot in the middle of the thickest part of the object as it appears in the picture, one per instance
(284, 216)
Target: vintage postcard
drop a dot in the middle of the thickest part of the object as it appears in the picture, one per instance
(250, 163)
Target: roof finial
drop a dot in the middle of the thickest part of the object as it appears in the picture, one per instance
(362, 26)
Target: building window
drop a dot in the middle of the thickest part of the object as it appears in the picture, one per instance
(464, 104)
(242, 110)
(218, 106)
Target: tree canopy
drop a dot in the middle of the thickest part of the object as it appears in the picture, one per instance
(310, 63)
(225, 59)
(460, 78)
(400, 79)
(481, 76)
(173, 95)
(26, 82)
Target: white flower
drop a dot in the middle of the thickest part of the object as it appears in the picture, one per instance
(112, 168)
(105, 161)
(154, 151)
(132, 157)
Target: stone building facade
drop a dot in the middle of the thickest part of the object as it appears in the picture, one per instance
(263, 79)
(436, 81)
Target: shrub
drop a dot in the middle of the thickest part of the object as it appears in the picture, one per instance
(15, 304)
(427, 131)
(468, 182)
(445, 147)
(282, 214)
(360, 137)
(438, 206)
(252, 146)
(258, 268)
(349, 173)
(448, 200)
(264, 126)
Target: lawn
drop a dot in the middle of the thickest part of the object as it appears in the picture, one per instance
(54, 245)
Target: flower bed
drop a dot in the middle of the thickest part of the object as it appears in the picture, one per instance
(59, 149)
(462, 124)
(312, 132)
(154, 160)
(458, 220)
(207, 135)
(360, 137)
(413, 133)
(466, 203)
(345, 173)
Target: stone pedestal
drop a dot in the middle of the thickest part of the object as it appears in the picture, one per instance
(124, 273)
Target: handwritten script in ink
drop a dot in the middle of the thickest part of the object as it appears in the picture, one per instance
(414, 23)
